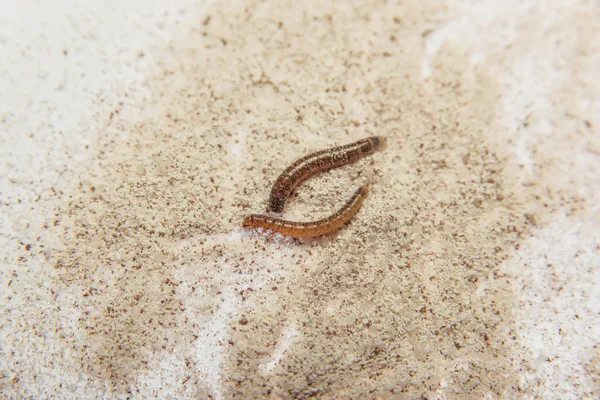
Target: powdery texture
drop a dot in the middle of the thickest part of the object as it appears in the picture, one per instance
(161, 293)
(407, 299)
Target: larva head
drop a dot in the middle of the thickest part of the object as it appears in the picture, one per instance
(378, 142)
(253, 221)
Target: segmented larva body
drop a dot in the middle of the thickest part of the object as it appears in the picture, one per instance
(317, 162)
(310, 229)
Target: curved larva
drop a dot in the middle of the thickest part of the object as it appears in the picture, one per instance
(309, 229)
(317, 162)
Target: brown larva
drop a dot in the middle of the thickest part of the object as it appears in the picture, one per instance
(309, 229)
(317, 162)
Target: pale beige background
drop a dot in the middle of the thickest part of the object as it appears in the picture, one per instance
(135, 136)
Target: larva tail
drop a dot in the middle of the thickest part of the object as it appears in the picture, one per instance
(363, 190)
(379, 142)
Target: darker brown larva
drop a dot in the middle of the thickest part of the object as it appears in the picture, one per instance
(317, 162)
(309, 229)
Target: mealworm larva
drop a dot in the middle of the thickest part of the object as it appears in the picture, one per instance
(317, 162)
(310, 229)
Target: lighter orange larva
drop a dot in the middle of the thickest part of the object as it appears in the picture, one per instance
(317, 162)
(309, 229)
